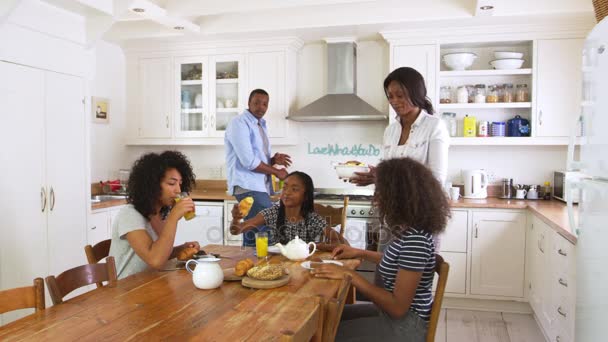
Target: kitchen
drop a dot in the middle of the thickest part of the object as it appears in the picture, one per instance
(132, 61)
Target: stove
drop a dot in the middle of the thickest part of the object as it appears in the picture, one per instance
(359, 201)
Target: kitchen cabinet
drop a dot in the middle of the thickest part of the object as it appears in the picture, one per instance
(454, 249)
(267, 71)
(154, 114)
(99, 227)
(498, 253)
(207, 227)
(559, 84)
(45, 202)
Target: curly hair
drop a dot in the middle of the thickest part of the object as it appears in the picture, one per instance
(408, 195)
(143, 187)
(412, 83)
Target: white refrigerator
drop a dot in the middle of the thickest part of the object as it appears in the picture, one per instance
(592, 226)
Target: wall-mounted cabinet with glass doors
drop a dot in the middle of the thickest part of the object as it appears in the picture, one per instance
(209, 93)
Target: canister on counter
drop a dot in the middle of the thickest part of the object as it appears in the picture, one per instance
(482, 129)
(469, 126)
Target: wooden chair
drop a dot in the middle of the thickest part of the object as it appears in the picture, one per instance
(334, 216)
(80, 276)
(98, 252)
(334, 308)
(23, 297)
(311, 329)
(441, 268)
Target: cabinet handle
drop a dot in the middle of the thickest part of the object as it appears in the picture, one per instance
(212, 123)
(560, 311)
(94, 227)
(167, 121)
(557, 339)
(42, 198)
(540, 117)
(52, 199)
(204, 122)
(476, 230)
(563, 282)
(561, 252)
(542, 237)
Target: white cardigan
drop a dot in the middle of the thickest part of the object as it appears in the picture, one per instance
(427, 143)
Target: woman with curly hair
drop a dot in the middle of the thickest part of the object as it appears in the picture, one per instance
(144, 230)
(412, 203)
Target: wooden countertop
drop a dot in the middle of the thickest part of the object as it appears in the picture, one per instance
(554, 213)
(165, 305)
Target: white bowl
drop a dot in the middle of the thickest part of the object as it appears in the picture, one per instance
(507, 55)
(507, 64)
(346, 172)
(459, 61)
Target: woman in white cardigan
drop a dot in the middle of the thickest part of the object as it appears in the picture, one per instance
(416, 133)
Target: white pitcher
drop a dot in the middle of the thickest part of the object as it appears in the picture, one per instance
(207, 273)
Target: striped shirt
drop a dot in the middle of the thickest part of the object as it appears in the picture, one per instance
(413, 251)
(428, 143)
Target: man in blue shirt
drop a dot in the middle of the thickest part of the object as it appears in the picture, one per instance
(248, 159)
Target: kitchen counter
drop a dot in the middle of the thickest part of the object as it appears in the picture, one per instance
(553, 213)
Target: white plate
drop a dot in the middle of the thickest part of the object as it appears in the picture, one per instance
(274, 249)
(306, 264)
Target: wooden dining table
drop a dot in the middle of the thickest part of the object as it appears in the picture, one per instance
(165, 305)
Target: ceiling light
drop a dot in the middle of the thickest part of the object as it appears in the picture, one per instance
(178, 27)
(138, 10)
(486, 8)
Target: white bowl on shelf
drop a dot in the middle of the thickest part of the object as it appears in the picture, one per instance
(507, 55)
(507, 64)
(460, 60)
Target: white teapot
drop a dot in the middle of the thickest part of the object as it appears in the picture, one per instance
(207, 273)
(297, 249)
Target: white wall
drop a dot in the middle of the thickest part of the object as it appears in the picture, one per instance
(526, 164)
(108, 152)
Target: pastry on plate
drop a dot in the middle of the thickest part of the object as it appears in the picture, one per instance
(266, 272)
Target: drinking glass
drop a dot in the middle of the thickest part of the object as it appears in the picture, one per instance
(261, 244)
(189, 215)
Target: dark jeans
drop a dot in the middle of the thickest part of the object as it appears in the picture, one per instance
(365, 322)
(261, 201)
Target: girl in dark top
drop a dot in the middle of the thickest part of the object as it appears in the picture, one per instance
(413, 205)
(294, 215)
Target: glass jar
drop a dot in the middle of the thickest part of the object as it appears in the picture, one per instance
(521, 93)
(480, 93)
(507, 92)
(451, 123)
(462, 94)
(471, 91)
(492, 96)
(445, 94)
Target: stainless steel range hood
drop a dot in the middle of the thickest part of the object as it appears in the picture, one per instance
(341, 103)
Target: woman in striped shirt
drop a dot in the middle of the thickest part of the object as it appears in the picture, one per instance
(413, 205)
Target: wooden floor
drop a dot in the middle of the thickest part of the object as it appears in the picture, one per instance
(482, 326)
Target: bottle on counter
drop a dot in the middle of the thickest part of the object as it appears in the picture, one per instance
(547, 191)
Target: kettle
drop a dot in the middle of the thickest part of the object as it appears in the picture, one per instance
(475, 183)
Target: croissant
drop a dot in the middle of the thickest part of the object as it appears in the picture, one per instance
(186, 253)
(242, 267)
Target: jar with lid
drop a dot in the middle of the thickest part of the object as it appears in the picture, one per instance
(492, 96)
(521, 93)
(471, 90)
(480, 93)
(462, 94)
(445, 94)
(507, 92)
(451, 123)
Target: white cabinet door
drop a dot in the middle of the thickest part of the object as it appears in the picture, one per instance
(66, 157)
(266, 70)
(457, 276)
(155, 98)
(454, 238)
(22, 204)
(423, 58)
(98, 227)
(227, 92)
(498, 253)
(206, 227)
(558, 86)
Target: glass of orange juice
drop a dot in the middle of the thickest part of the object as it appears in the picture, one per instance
(189, 215)
(261, 244)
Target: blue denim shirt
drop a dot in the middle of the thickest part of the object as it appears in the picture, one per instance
(244, 152)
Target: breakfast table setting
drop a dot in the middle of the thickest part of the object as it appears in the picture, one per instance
(173, 303)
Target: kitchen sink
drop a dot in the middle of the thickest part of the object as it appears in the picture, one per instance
(105, 198)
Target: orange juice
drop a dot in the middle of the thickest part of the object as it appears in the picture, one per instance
(245, 205)
(261, 244)
(189, 215)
